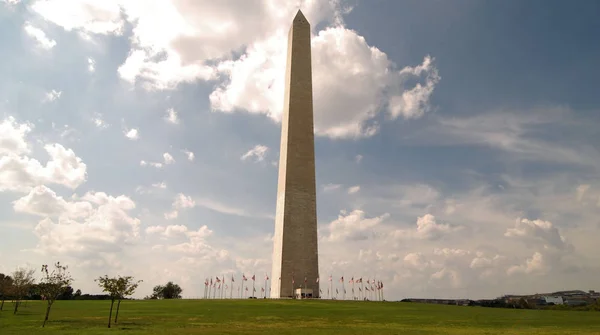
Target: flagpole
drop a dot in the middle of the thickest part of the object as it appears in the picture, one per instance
(209, 288)
(242, 289)
(331, 286)
(231, 291)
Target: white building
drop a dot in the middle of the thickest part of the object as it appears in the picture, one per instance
(557, 300)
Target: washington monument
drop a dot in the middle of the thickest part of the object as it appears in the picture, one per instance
(295, 251)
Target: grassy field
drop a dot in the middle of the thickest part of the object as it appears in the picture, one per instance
(290, 317)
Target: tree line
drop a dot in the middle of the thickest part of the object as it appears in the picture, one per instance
(55, 284)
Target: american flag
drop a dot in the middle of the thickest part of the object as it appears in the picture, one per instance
(266, 277)
(253, 277)
(351, 280)
(244, 277)
(232, 280)
(317, 279)
(330, 278)
(342, 279)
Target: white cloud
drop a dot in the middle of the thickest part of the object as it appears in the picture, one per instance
(168, 158)
(161, 185)
(91, 64)
(11, 2)
(331, 187)
(132, 134)
(533, 265)
(99, 122)
(353, 226)
(581, 189)
(106, 228)
(88, 16)
(539, 230)
(181, 201)
(153, 164)
(259, 152)
(353, 189)
(52, 96)
(190, 155)
(171, 116)
(22, 173)
(175, 42)
(36, 33)
(358, 158)
(42, 201)
(12, 136)
(414, 103)
(428, 229)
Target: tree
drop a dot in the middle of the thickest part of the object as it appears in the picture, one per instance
(22, 281)
(53, 284)
(125, 287)
(77, 294)
(67, 294)
(6, 283)
(118, 288)
(169, 291)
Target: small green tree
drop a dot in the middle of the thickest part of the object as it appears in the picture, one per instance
(169, 291)
(125, 287)
(22, 281)
(118, 288)
(5, 287)
(53, 284)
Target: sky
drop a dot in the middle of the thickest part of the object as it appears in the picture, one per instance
(457, 142)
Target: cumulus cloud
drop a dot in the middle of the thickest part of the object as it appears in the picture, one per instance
(12, 136)
(190, 155)
(132, 134)
(21, 173)
(168, 158)
(537, 230)
(153, 164)
(53, 95)
(40, 36)
(91, 64)
(175, 42)
(104, 226)
(181, 201)
(331, 187)
(99, 122)
(171, 116)
(353, 226)
(259, 152)
(353, 189)
(533, 265)
(87, 16)
(428, 229)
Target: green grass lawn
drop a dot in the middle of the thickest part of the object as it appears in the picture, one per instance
(290, 317)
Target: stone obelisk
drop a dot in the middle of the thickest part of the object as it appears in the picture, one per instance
(295, 252)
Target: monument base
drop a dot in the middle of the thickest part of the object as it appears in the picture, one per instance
(304, 293)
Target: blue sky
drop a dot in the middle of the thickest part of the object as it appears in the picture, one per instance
(456, 142)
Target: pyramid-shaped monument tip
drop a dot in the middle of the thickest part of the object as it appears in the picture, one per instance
(300, 18)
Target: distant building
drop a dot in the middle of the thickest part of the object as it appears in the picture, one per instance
(556, 300)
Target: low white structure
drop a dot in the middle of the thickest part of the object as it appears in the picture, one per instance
(304, 293)
(555, 300)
